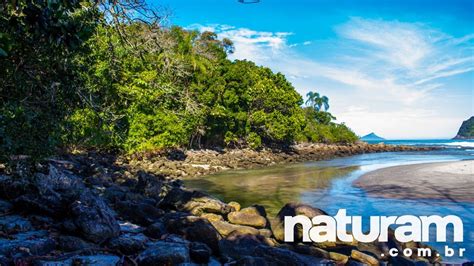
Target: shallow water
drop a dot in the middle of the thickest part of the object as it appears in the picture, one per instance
(328, 185)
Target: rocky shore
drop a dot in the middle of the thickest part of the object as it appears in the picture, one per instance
(192, 163)
(99, 210)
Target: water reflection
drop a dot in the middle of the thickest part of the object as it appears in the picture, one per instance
(271, 187)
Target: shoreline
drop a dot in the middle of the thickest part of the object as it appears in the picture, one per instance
(451, 181)
(182, 164)
(99, 208)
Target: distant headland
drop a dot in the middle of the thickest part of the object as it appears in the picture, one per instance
(371, 137)
(466, 131)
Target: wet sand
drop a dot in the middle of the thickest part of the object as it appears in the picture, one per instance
(453, 181)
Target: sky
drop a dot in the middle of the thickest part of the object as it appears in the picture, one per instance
(401, 69)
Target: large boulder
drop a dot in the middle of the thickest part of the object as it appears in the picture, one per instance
(94, 219)
(51, 193)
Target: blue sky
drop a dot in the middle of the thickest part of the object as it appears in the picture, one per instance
(403, 69)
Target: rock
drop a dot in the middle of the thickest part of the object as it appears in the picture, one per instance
(51, 194)
(164, 253)
(195, 202)
(277, 228)
(279, 256)
(128, 243)
(225, 228)
(247, 216)
(194, 228)
(35, 243)
(5, 207)
(13, 223)
(72, 243)
(339, 258)
(156, 230)
(11, 188)
(235, 205)
(140, 213)
(95, 221)
(249, 261)
(292, 209)
(127, 227)
(212, 217)
(199, 252)
(238, 245)
(312, 251)
(150, 186)
(364, 258)
(265, 232)
(92, 260)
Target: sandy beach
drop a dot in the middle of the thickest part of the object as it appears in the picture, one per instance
(453, 181)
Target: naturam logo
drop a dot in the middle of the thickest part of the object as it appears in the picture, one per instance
(324, 228)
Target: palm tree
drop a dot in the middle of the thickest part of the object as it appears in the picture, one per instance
(317, 101)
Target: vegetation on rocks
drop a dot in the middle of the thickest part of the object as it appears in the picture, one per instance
(466, 131)
(114, 76)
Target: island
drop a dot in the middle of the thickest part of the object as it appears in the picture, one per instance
(466, 131)
(371, 137)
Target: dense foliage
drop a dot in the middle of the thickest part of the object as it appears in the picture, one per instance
(86, 74)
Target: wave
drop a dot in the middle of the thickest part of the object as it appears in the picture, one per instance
(464, 144)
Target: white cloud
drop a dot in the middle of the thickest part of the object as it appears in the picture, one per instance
(391, 69)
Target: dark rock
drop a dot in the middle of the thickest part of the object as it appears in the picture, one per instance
(5, 207)
(156, 230)
(239, 245)
(150, 186)
(199, 252)
(11, 187)
(72, 243)
(52, 194)
(193, 229)
(14, 223)
(128, 244)
(33, 242)
(249, 261)
(164, 253)
(279, 256)
(92, 260)
(94, 219)
(140, 213)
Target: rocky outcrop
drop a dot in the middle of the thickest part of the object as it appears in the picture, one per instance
(466, 131)
(193, 163)
(81, 212)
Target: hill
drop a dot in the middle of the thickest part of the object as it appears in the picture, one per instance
(466, 131)
(371, 137)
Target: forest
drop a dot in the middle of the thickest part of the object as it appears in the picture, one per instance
(117, 76)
